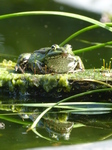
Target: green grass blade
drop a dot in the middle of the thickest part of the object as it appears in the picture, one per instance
(18, 121)
(92, 47)
(93, 43)
(60, 104)
(37, 133)
(78, 125)
(57, 13)
(80, 32)
(38, 118)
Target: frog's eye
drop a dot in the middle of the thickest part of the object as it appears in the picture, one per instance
(54, 46)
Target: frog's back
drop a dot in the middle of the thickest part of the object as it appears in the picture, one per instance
(38, 54)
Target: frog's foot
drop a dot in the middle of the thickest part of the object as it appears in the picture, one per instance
(18, 68)
(76, 66)
(76, 70)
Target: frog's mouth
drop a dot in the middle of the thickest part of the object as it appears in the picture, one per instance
(58, 53)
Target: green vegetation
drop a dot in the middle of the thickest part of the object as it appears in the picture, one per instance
(95, 79)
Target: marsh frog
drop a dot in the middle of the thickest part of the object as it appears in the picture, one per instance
(52, 59)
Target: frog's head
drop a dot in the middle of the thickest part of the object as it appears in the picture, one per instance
(57, 50)
(58, 58)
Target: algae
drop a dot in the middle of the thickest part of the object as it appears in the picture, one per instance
(28, 83)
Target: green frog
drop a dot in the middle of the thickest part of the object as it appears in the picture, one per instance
(52, 59)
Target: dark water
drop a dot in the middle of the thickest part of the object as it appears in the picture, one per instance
(26, 34)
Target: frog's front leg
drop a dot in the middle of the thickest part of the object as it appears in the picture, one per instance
(80, 64)
(38, 67)
(76, 65)
(19, 68)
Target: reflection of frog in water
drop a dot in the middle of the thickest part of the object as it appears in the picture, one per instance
(56, 124)
(57, 127)
(52, 59)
